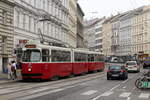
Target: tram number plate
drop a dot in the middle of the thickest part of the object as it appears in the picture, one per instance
(145, 84)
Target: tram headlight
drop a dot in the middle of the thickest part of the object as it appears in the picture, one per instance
(29, 69)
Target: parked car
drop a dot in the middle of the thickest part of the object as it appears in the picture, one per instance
(132, 66)
(146, 63)
(117, 71)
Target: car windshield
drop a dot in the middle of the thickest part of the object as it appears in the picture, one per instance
(115, 67)
(131, 63)
(31, 56)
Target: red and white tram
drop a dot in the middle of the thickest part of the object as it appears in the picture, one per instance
(49, 62)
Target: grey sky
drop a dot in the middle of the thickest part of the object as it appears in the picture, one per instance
(108, 7)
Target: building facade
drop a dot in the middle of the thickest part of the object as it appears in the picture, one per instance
(6, 33)
(93, 34)
(107, 34)
(115, 35)
(99, 35)
(125, 34)
(80, 28)
(29, 17)
(140, 30)
(72, 23)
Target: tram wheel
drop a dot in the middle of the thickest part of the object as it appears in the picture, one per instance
(54, 78)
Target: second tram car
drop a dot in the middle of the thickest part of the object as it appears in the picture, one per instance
(49, 62)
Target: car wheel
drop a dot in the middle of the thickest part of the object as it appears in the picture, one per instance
(127, 77)
(108, 78)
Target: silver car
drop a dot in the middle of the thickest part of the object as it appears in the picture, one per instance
(132, 66)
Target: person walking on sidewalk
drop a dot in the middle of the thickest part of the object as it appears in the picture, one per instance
(14, 68)
(9, 70)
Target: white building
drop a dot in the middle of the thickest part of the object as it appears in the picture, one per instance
(99, 35)
(27, 14)
(89, 33)
(125, 34)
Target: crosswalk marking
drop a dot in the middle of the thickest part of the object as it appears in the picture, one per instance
(144, 95)
(125, 94)
(89, 92)
(107, 93)
(39, 95)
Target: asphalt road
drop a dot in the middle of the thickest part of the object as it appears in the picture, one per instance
(88, 87)
(100, 89)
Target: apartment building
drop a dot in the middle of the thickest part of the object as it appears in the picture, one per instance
(107, 35)
(99, 35)
(125, 34)
(50, 16)
(72, 22)
(80, 27)
(140, 30)
(6, 33)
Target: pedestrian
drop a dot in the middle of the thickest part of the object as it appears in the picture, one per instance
(14, 68)
(9, 71)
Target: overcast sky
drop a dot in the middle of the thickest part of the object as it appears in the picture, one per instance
(100, 8)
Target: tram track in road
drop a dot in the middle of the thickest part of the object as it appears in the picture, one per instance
(49, 85)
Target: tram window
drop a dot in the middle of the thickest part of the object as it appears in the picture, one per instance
(61, 56)
(99, 57)
(91, 57)
(31, 56)
(45, 55)
(78, 57)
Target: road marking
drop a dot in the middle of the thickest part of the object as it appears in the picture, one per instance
(89, 92)
(124, 87)
(107, 93)
(144, 95)
(125, 81)
(128, 98)
(114, 87)
(39, 95)
(104, 94)
(125, 94)
(38, 90)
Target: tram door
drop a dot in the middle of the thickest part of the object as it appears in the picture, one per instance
(4, 64)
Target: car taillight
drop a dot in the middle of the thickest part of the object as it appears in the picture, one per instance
(108, 70)
(122, 71)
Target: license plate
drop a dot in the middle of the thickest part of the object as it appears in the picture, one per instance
(115, 75)
(146, 84)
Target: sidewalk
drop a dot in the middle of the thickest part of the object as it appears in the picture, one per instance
(3, 76)
(4, 79)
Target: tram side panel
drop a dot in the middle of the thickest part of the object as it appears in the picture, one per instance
(79, 68)
(61, 69)
(79, 63)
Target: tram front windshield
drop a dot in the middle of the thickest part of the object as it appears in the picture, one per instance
(31, 55)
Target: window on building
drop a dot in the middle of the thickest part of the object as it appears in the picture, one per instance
(4, 14)
(30, 24)
(35, 25)
(4, 46)
(26, 22)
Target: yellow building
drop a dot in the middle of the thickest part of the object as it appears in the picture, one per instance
(141, 31)
(107, 30)
(6, 33)
(72, 22)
